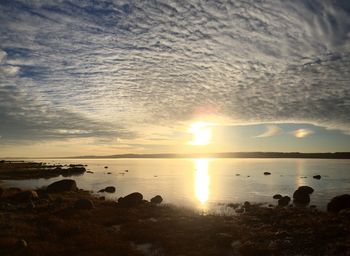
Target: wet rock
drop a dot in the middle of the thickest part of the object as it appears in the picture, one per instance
(101, 190)
(62, 186)
(110, 189)
(109, 173)
(339, 203)
(267, 173)
(157, 199)
(301, 196)
(84, 204)
(106, 167)
(317, 177)
(284, 201)
(126, 170)
(277, 196)
(89, 172)
(131, 200)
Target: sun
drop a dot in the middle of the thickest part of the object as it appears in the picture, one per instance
(201, 133)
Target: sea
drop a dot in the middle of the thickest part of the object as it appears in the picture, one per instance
(207, 184)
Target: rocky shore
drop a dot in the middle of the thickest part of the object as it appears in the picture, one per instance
(62, 219)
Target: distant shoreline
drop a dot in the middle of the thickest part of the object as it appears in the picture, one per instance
(287, 155)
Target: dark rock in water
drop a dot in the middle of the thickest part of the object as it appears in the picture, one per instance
(267, 173)
(301, 195)
(339, 203)
(101, 190)
(109, 173)
(131, 200)
(84, 204)
(62, 186)
(157, 199)
(277, 196)
(90, 172)
(284, 201)
(317, 177)
(106, 167)
(126, 170)
(110, 189)
(306, 190)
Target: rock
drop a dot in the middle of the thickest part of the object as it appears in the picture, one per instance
(277, 196)
(237, 174)
(301, 195)
(157, 199)
(84, 204)
(110, 189)
(126, 170)
(131, 200)
(106, 167)
(1, 191)
(25, 196)
(306, 189)
(339, 203)
(101, 190)
(109, 173)
(284, 201)
(90, 172)
(317, 177)
(233, 205)
(21, 244)
(62, 186)
(267, 173)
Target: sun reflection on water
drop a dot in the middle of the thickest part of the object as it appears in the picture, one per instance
(202, 180)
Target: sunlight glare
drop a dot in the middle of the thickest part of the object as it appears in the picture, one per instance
(201, 132)
(202, 180)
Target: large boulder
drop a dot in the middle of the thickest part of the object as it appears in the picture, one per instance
(62, 186)
(339, 203)
(84, 204)
(301, 196)
(157, 199)
(131, 200)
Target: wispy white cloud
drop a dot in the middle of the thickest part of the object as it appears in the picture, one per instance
(271, 130)
(163, 62)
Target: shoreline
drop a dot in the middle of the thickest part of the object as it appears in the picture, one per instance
(62, 219)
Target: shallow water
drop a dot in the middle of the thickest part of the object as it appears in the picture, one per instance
(207, 183)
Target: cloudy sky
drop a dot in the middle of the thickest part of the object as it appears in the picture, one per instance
(107, 77)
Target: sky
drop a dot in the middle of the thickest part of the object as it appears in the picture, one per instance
(111, 77)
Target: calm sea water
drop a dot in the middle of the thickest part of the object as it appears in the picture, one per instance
(209, 183)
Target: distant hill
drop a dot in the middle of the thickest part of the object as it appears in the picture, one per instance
(336, 155)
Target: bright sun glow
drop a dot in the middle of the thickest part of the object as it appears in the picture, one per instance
(202, 180)
(201, 132)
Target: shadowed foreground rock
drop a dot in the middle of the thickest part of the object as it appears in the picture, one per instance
(339, 203)
(62, 186)
(131, 200)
